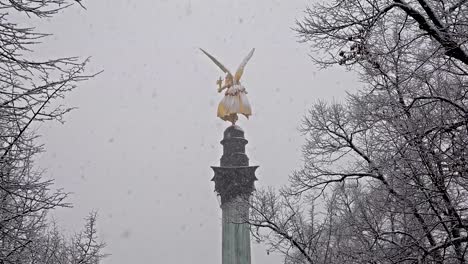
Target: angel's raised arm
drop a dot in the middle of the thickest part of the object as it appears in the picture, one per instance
(240, 70)
(221, 66)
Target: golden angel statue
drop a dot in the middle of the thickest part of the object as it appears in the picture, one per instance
(235, 98)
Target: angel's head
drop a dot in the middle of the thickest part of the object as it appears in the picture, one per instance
(228, 80)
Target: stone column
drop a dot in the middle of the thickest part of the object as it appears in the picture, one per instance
(234, 183)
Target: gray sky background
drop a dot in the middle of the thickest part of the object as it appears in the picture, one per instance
(139, 147)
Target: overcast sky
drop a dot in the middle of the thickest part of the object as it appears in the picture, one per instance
(140, 145)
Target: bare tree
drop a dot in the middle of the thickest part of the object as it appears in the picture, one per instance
(350, 31)
(53, 248)
(388, 168)
(29, 93)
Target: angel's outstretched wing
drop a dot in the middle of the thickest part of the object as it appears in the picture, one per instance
(240, 70)
(221, 66)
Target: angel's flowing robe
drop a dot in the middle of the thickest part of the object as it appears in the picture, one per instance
(234, 102)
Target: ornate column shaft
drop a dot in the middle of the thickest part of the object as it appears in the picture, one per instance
(234, 182)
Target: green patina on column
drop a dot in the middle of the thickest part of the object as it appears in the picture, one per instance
(234, 182)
